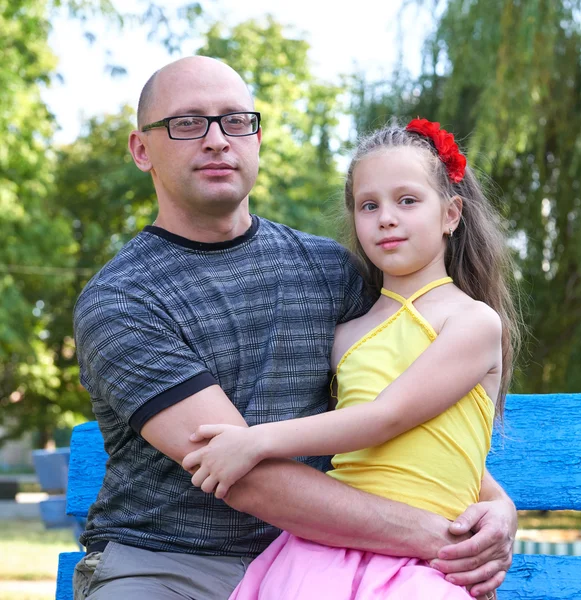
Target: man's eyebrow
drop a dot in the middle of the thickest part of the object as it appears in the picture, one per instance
(202, 113)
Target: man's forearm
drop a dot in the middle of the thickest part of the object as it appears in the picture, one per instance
(491, 490)
(312, 505)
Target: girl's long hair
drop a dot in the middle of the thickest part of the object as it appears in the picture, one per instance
(477, 256)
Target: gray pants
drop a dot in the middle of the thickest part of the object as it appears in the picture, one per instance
(128, 573)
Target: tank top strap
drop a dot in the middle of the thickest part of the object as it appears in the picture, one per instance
(393, 295)
(430, 286)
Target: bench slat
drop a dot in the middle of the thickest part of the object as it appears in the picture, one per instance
(86, 468)
(538, 460)
(541, 577)
(64, 578)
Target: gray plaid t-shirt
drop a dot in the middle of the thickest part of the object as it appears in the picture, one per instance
(168, 317)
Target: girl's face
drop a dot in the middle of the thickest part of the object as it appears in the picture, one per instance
(400, 218)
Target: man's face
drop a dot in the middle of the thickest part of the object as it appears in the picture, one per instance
(213, 174)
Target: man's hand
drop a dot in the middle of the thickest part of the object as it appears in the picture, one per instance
(481, 562)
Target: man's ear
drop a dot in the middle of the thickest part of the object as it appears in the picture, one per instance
(453, 214)
(139, 151)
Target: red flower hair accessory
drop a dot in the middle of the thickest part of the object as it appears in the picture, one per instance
(446, 147)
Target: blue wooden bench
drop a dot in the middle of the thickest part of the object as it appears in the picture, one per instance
(538, 462)
(52, 469)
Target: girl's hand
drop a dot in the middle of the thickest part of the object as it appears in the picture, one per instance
(231, 453)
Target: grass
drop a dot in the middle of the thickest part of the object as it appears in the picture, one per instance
(26, 592)
(30, 552)
(558, 519)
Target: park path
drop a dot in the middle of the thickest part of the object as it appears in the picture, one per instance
(28, 590)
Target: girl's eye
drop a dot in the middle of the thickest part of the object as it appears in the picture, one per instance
(408, 201)
(368, 206)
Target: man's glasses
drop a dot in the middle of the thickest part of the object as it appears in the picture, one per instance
(193, 127)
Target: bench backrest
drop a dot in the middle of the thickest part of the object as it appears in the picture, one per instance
(537, 459)
(52, 468)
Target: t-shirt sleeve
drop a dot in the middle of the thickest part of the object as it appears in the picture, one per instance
(132, 356)
(357, 297)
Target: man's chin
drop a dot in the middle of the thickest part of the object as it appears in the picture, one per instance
(223, 204)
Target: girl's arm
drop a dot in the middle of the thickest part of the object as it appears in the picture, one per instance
(467, 348)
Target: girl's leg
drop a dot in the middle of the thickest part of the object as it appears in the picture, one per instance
(392, 578)
(295, 569)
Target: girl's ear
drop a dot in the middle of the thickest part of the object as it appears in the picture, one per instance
(453, 214)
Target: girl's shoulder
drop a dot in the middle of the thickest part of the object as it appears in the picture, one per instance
(449, 305)
(462, 303)
(466, 313)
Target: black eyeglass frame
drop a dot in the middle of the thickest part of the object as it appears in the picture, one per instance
(216, 119)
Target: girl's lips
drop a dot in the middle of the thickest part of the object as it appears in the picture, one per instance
(391, 243)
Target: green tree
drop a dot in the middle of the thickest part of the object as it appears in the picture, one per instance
(105, 200)
(28, 240)
(506, 76)
(47, 248)
(299, 179)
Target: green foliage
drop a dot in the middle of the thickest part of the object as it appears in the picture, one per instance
(525, 116)
(28, 240)
(63, 216)
(172, 27)
(100, 191)
(298, 180)
(506, 76)
(105, 200)
(67, 212)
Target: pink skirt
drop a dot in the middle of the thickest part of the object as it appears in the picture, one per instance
(292, 568)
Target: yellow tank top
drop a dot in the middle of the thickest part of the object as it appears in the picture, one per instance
(437, 466)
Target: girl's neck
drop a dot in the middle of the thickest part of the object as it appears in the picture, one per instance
(406, 285)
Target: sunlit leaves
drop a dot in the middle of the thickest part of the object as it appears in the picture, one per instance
(506, 77)
(298, 178)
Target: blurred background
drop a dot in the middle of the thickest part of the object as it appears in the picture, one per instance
(503, 75)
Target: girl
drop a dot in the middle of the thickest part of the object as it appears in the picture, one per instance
(419, 377)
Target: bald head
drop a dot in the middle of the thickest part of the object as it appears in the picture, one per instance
(145, 101)
(202, 71)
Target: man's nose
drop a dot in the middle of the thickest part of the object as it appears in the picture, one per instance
(215, 140)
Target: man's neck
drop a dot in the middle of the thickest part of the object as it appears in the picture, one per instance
(206, 228)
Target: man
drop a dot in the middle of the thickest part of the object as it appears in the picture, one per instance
(216, 316)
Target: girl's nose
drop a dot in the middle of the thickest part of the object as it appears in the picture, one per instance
(387, 218)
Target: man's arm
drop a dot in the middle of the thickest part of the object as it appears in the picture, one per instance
(310, 504)
(314, 506)
(298, 498)
(484, 559)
